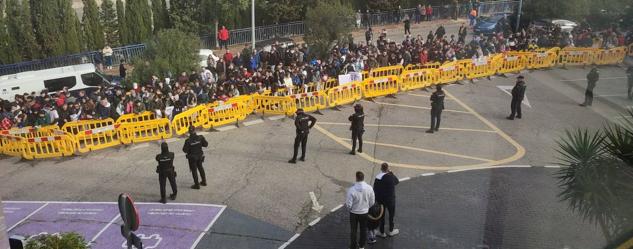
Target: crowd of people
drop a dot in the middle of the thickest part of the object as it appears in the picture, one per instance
(282, 69)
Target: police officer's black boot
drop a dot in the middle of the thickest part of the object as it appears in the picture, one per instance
(292, 161)
(163, 201)
(172, 196)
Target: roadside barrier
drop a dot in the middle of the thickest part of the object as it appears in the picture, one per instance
(133, 117)
(449, 72)
(89, 135)
(145, 131)
(543, 58)
(576, 56)
(513, 62)
(274, 105)
(48, 144)
(226, 113)
(345, 94)
(419, 78)
(93, 134)
(196, 116)
(376, 87)
(385, 71)
(610, 56)
(311, 102)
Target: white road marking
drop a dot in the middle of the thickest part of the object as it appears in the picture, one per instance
(427, 174)
(508, 89)
(273, 118)
(171, 140)
(405, 179)
(612, 95)
(290, 241)
(202, 133)
(104, 228)
(226, 128)
(252, 122)
(490, 167)
(139, 146)
(553, 166)
(608, 78)
(336, 208)
(27, 217)
(315, 202)
(314, 222)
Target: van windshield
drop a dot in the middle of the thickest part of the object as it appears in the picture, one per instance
(93, 79)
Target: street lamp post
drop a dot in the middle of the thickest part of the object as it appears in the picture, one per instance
(253, 23)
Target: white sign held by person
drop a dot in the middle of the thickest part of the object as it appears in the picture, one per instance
(349, 78)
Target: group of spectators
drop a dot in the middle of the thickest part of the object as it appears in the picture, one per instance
(280, 69)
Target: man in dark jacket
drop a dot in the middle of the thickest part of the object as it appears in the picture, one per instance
(437, 105)
(303, 122)
(195, 156)
(629, 76)
(165, 170)
(592, 78)
(385, 191)
(357, 128)
(518, 93)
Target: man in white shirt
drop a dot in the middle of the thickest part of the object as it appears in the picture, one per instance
(359, 198)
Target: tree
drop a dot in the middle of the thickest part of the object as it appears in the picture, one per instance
(18, 25)
(70, 28)
(383, 4)
(226, 12)
(8, 49)
(170, 51)
(597, 175)
(92, 27)
(121, 23)
(138, 19)
(65, 240)
(183, 15)
(47, 27)
(160, 15)
(108, 18)
(282, 11)
(327, 23)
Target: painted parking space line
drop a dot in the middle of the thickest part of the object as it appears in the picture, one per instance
(226, 128)
(139, 146)
(519, 153)
(424, 150)
(410, 126)
(414, 106)
(253, 122)
(278, 117)
(601, 79)
(425, 95)
(171, 140)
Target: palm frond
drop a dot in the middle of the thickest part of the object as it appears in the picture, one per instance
(580, 146)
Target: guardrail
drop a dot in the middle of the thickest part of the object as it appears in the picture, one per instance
(263, 33)
(89, 135)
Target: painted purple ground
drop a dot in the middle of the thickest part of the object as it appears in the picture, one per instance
(171, 226)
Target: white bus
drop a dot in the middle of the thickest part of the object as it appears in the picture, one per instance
(75, 78)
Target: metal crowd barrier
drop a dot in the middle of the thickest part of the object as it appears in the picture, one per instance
(89, 135)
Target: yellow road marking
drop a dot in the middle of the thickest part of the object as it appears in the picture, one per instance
(416, 107)
(424, 95)
(424, 150)
(520, 151)
(411, 126)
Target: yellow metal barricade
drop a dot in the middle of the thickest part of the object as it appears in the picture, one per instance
(376, 87)
(329, 84)
(365, 74)
(93, 134)
(48, 144)
(513, 62)
(133, 117)
(576, 56)
(449, 72)
(345, 94)
(12, 145)
(247, 100)
(196, 116)
(412, 67)
(385, 71)
(144, 131)
(420, 78)
(274, 105)
(226, 113)
(543, 58)
(610, 56)
(311, 102)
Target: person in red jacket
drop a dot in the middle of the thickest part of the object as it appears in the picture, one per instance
(223, 36)
(429, 12)
(228, 57)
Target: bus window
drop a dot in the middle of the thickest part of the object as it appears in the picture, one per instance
(92, 79)
(58, 84)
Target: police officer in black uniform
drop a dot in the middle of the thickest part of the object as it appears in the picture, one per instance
(592, 78)
(437, 105)
(357, 128)
(165, 170)
(304, 122)
(193, 149)
(518, 93)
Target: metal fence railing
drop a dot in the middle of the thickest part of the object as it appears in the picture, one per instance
(263, 33)
(439, 12)
(126, 53)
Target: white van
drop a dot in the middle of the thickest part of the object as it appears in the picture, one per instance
(75, 78)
